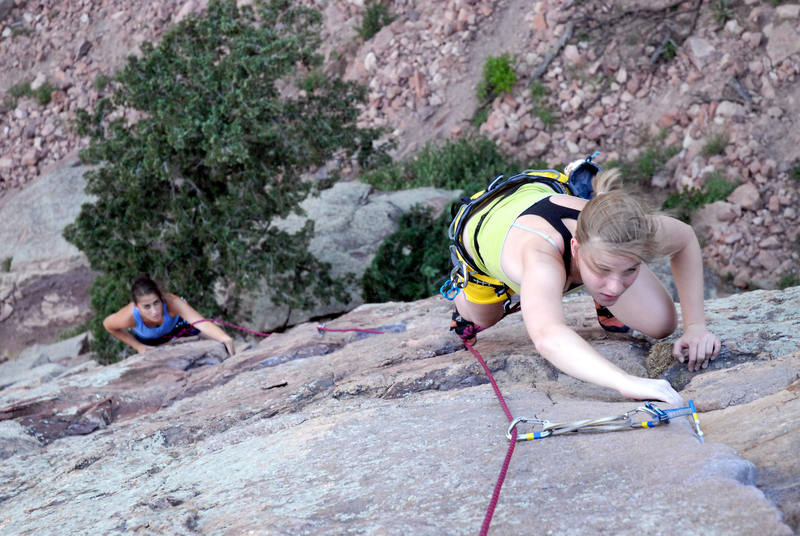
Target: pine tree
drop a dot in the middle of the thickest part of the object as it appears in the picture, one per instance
(231, 110)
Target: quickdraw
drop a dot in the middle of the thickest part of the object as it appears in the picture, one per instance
(544, 428)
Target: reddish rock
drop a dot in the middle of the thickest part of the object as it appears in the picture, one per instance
(666, 120)
(539, 22)
(746, 196)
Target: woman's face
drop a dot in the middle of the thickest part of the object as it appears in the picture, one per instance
(606, 275)
(151, 309)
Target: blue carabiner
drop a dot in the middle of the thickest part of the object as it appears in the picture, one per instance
(449, 290)
(658, 412)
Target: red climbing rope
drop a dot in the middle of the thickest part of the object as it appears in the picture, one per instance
(260, 334)
(487, 519)
(234, 326)
(361, 330)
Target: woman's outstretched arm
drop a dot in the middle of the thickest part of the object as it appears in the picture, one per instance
(541, 294)
(117, 324)
(176, 305)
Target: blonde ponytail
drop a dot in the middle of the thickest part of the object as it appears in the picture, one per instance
(607, 181)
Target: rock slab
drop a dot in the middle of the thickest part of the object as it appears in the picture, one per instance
(396, 433)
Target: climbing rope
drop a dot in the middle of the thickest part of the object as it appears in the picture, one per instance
(546, 428)
(321, 329)
(487, 519)
(234, 326)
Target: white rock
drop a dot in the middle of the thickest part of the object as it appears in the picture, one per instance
(572, 55)
(6, 311)
(729, 109)
(732, 27)
(39, 81)
(700, 48)
(788, 11)
(370, 62)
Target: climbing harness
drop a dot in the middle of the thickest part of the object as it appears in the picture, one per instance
(577, 182)
(544, 428)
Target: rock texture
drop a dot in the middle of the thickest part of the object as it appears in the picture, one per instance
(398, 433)
(44, 281)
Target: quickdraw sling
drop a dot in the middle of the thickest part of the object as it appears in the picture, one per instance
(543, 428)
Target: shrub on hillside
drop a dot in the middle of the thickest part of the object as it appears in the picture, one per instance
(466, 164)
(498, 77)
(413, 262)
(716, 187)
(188, 192)
(376, 16)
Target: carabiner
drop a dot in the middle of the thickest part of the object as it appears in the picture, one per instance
(530, 435)
(657, 412)
(449, 290)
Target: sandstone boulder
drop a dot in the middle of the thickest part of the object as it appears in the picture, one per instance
(350, 222)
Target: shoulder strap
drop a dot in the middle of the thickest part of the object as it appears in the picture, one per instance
(498, 189)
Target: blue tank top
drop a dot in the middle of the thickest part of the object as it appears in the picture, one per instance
(165, 328)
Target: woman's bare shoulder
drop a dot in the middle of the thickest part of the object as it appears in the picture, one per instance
(569, 201)
(122, 318)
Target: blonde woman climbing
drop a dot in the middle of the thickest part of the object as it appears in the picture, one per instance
(541, 244)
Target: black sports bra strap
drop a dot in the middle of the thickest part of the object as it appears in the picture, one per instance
(553, 213)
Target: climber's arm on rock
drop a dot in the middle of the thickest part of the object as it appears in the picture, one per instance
(541, 298)
(117, 324)
(177, 305)
(679, 242)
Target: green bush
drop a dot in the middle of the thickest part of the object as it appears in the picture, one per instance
(413, 262)
(715, 144)
(788, 279)
(498, 77)
(717, 187)
(670, 49)
(722, 10)
(468, 163)
(648, 162)
(74, 331)
(42, 94)
(541, 108)
(101, 81)
(188, 193)
(21, 30)
(376, 16)
(480, 117)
